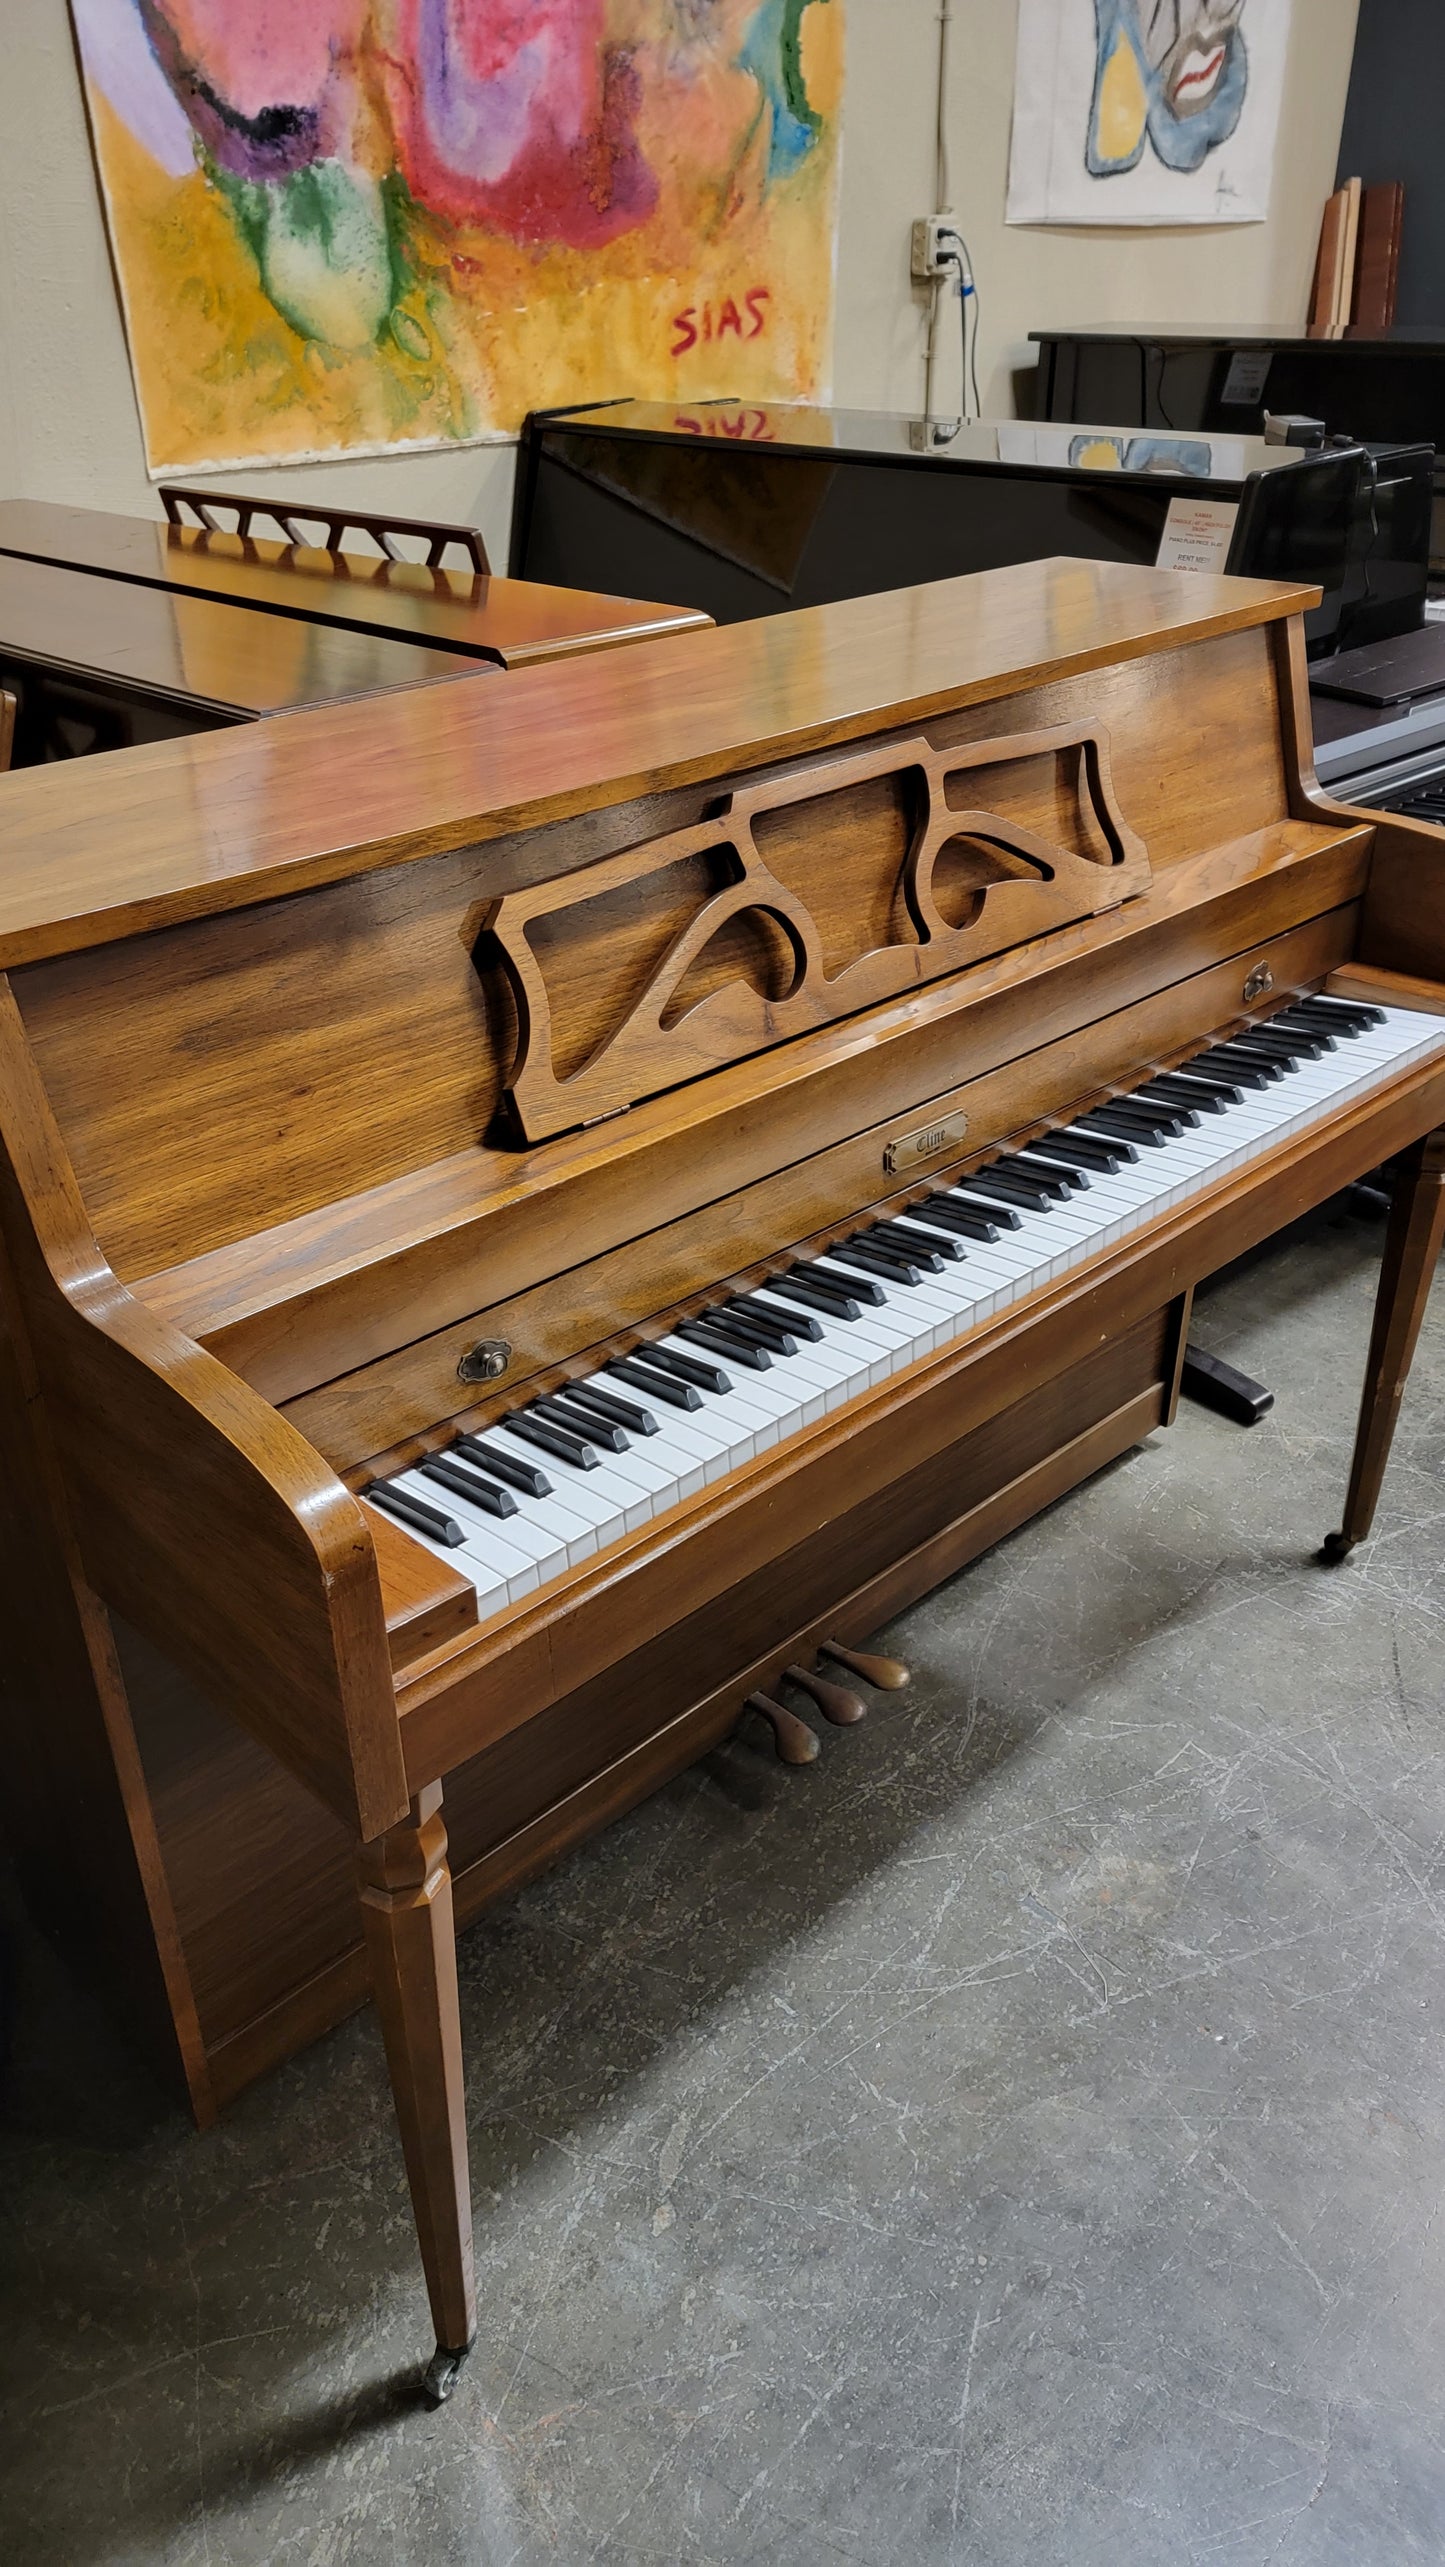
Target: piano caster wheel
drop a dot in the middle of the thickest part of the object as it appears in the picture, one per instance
(796, 1743)
(1334, 1548)
(442, 2374)
(888, 1674)
(834, 1701)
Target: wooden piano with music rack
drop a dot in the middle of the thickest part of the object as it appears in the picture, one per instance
(516, 1237)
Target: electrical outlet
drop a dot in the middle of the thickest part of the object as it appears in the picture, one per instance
(930, 253)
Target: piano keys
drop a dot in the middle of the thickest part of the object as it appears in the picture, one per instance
(518, 1236)
(559, 1480)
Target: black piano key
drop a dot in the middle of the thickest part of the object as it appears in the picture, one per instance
(415, 1512)
(505, 1466)
(689, 1368)
(996, 1185)
(890, 1240)
(1177, 1090)
(1103, 1118)
(992, 1206)
(722, 1340)
(1327, 1037)
(960, 1220)
(1354, 1015)
(1212, 1083)
(1286, 1046)
(825, 1296)
(934, 1248)
(760, 1326)
(1240, 1074)
(558, 1411)
(487, 1494)
(798, 1323)
(1273, 1067)
(1037, 1160)
(1244, 1056)
(605, 1403)
(1171, 1120)
(875, 1261)
(1092, 1150)
(1154, 1115)
(661, 1386)
(856, 1287)
(552, 1439)
(1057, 1183)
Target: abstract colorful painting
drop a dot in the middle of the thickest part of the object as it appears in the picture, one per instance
(344, 226)
(1146, 111)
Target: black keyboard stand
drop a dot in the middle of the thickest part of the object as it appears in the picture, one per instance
(1213, 1383)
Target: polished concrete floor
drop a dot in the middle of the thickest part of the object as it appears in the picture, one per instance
(1016, 2141)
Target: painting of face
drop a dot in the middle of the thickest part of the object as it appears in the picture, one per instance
(343, 225)
(1147, 111)
(1172, 72)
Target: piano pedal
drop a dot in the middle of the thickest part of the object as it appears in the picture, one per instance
(796, 1743)
(1212, 1383)
(888, 1674)
(835, 1702)
(442, 2374)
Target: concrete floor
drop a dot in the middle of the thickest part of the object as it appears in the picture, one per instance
(1014, 2142)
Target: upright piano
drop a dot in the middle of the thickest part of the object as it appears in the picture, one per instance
(521, 1240)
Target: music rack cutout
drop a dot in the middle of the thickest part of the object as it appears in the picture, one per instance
(801, 899)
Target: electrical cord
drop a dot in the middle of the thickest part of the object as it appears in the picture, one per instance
(967, 293)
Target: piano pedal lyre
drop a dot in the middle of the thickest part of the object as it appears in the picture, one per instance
(835, 1702)
(888, 1674)
(796, 1743)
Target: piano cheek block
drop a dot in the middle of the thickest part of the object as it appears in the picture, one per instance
(631, 1101)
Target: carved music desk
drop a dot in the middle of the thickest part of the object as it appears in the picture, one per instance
(520, 1238)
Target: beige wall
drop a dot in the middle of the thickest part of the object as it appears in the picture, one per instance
(68, 427)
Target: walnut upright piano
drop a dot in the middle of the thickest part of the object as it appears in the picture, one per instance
(518, 1235)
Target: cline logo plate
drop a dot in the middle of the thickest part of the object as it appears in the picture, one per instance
(917, 1146)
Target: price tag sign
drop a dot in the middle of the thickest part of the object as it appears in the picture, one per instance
(1247, 376)
(1196, 534)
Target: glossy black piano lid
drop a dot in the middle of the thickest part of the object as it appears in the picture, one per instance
(746, 510)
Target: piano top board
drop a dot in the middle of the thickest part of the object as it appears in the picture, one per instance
(187, 829)
(511, 622)
(226, 660)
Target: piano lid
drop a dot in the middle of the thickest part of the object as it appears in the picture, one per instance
(978, 445)
(111, 847)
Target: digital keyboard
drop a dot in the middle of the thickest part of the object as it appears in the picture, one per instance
(546, 1487)
(533, 1211)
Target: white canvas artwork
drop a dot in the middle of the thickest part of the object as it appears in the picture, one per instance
(1146, 111)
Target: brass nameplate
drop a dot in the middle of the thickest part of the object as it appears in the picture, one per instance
(917, 1146)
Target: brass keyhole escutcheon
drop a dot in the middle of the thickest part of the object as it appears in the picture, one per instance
(1259, 983)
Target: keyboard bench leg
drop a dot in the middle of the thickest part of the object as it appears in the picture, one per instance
(406, 1908)
(1412, 1246)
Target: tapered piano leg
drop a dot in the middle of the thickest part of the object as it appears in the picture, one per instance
(406, 1906)
(1412, 1247)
